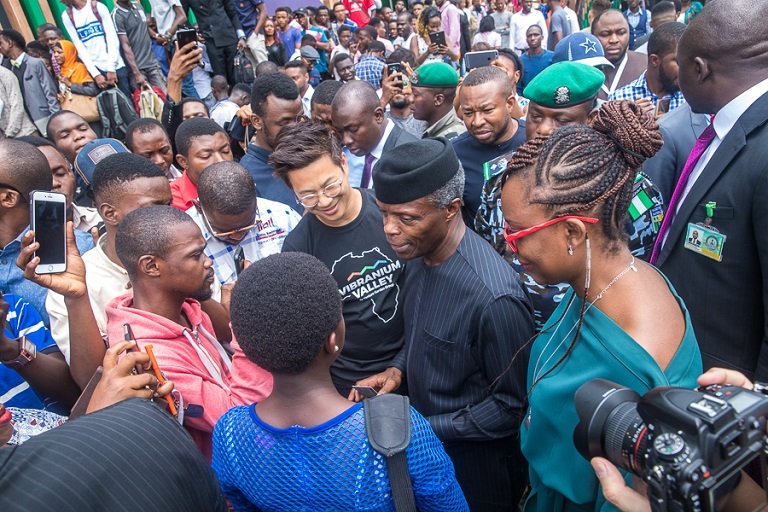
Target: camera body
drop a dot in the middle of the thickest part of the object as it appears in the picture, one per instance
(689, 446)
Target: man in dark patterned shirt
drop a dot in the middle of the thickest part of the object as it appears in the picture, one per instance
(467, 323)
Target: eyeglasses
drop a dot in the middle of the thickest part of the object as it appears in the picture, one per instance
(513, 236)
(330, 191)
(216, 234)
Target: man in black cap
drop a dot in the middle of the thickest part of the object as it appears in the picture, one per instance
(467, 321)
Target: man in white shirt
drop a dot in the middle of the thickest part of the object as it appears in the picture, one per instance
(91, 29)
(298, 72)
(231, 217)
(226, 108)
(521, 21)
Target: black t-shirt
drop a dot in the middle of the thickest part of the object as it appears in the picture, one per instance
(131, 456)
(474, 157)
(370, 279)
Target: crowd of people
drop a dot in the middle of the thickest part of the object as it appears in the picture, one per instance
(276, 219)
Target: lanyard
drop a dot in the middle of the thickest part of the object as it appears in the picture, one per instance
(616, 77)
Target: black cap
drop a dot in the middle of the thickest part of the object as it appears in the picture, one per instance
(414, 170)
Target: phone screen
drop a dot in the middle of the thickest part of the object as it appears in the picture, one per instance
(49, 220)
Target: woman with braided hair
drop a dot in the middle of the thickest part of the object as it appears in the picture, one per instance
(565, 202)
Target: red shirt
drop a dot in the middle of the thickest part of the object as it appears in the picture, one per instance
(183, 192)
(358, 11)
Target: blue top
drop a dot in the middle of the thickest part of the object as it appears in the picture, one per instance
(268, 186)
(290, 39)
(561, 479)
(248, 12)
(23, 320)
(532, 66)
(12, 277)
(328, 467)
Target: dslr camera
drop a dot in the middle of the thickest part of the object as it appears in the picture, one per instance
(688, 445)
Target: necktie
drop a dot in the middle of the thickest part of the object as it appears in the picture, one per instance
(367, 170)
(698, 149)
(16, 63)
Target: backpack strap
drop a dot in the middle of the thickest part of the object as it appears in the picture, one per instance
(388, 427)
(98, 17)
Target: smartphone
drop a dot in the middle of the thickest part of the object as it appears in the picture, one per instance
(366, 391)
(185, 36)
(474, 60)
(437, 38)
(128, 336)
(49, 221)
(395, 67)
(239, 260)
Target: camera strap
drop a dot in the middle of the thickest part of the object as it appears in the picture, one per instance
(388, 427)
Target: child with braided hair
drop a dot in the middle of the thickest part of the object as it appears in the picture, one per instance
(565, 202)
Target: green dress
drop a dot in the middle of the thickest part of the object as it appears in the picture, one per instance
(561, 479)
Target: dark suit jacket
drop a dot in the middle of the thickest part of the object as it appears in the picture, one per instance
(727, 300)
(680, 129)
(396, 137)
(218, 20)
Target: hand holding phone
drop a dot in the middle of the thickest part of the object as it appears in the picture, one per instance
(184, 36)
(49, 221)
(365, 391)
(239, 260)
(437, 38)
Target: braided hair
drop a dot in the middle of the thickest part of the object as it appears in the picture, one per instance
(581, 168)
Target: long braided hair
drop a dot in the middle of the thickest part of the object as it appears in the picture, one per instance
(589, 169)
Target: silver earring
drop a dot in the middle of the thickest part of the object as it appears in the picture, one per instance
(336, 348)
(570, 250)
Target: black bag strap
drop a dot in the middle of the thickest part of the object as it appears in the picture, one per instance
(388, 426)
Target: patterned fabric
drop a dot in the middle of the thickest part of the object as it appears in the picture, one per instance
(645, 216)
(274, 221)
(327, 467)
(370, 69)
(28, 423)
(639, 89)
(23, 320)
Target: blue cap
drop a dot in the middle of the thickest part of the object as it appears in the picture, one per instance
(93, 153)
(581, 47)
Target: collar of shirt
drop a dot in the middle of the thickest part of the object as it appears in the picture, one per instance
(17, 62)
(100, 259)
(307, 98)
(379, 149)
(84, 218)
(727, 116)
(259, 153)
(187, 189)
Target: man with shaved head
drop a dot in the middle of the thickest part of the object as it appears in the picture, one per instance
(363, 128)
(722, 191)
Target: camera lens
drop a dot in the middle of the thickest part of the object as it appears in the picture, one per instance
(609, 425)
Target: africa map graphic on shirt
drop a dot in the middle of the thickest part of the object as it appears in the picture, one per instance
(370, 276)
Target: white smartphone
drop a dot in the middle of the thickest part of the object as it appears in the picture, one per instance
(49, 221)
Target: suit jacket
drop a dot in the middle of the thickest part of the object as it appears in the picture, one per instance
(680, 129)
(396, 137)
(218, 20)
(727, 300)
(38, 89)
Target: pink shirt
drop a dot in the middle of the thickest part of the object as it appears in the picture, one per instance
(451, 20)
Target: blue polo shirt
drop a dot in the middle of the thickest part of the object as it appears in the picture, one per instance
(23, 320)
(290, 38)
(268, 186)
(248, 12)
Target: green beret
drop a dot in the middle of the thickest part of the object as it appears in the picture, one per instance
(565, 84)
(414, 170)
(435, 74)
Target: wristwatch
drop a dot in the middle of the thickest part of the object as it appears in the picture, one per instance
(27, 354)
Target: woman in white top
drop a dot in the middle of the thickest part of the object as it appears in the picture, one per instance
(422, 47)
(487, 34)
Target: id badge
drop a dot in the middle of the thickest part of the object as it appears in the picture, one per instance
(705, 240)
(494, 167)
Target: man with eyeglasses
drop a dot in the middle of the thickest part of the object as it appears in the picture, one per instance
(343, 229)
(232, 218)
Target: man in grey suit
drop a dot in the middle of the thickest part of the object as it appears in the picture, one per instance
(36, 83)
(680, 129)
(724, 280)
(359, 119)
